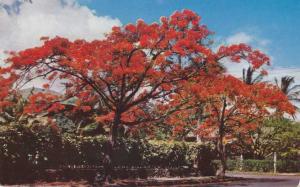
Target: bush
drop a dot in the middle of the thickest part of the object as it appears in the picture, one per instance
(205, 157)
(169, 154)
(82, 150)
(134, 152)
(25, 152)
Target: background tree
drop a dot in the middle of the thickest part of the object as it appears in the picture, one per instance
(287, 87)
(278, 135)
(236, 108)
(249, 76)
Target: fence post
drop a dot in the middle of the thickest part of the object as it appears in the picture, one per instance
(275, 162)
(241, 162)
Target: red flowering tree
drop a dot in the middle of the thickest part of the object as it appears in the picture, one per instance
(132, 66)
(236, 108)
(119, 77)
(219, 107)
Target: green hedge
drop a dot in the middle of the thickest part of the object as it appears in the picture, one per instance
(263, 165)
(131, 152)
(24, 151)
(27, 152)
(134, 152)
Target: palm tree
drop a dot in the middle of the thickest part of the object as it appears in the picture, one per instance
(287, 87)
(248, 76)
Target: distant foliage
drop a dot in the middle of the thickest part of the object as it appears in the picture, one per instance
(278, 135)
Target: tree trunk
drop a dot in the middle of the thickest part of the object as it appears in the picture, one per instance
(222, 153)
(108, 164)
(114, 129)
(221, 146)
(222, 156)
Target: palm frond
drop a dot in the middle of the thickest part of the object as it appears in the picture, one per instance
(286, 82)
(295, 87)
(258, 78)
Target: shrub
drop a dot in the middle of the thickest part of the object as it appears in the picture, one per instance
(167, 154)
(205, 156)
(24, 151)
(82, 150)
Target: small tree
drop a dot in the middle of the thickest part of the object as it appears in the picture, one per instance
(230, 109)
(275, 134)
(237, 109)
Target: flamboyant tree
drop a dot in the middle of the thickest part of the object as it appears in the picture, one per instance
(221, 107)
(225, 108)
(132, 67)
(238, 108)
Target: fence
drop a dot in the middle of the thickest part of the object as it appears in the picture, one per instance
(271, 165)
